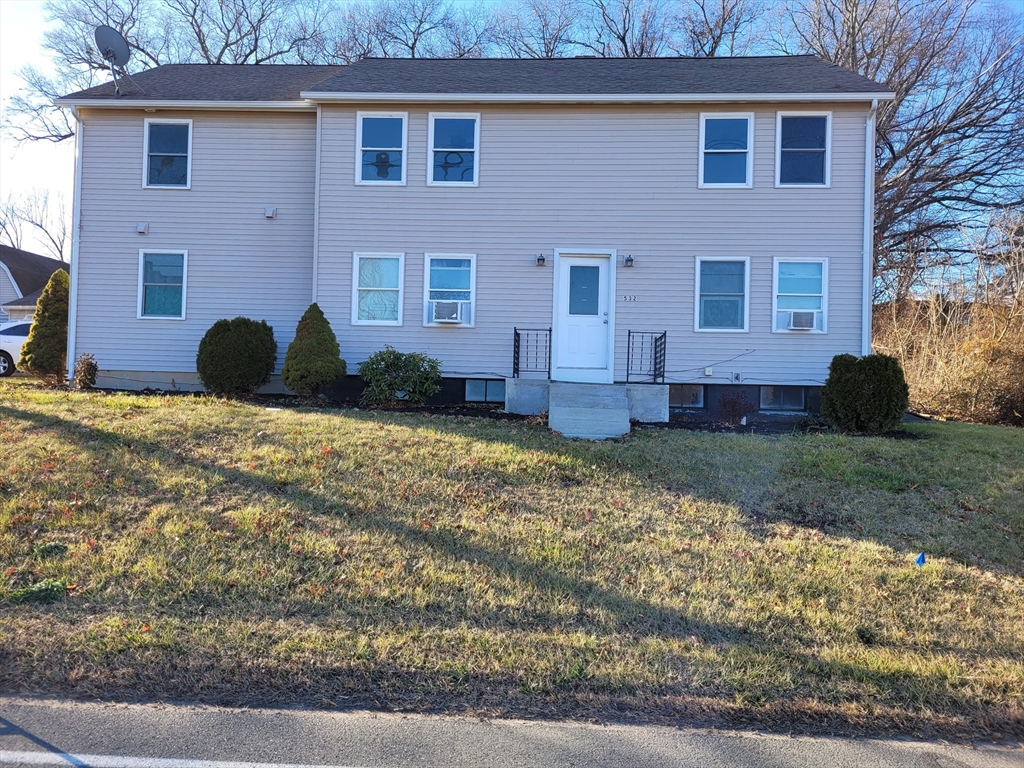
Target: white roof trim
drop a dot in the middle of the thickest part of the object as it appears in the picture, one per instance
(594, 98)
(297, 106)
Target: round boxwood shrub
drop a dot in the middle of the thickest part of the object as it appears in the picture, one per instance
(45, 351)
(313, 358)
(236, 356)
(391, 375)
(869, 394)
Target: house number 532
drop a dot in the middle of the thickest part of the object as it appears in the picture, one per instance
(629, 298)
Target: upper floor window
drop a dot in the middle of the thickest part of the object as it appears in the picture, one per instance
(162, 284)
(450, 285)
(723, 286)
(454, 139)
(377, 288)
(800, 294)
(168, 154)
(726, 150)
(802, 142)
(381, 140)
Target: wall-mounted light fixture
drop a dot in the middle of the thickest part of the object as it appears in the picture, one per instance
(628, 261)
(541, 261)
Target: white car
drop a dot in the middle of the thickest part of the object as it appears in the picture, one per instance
(12, 337)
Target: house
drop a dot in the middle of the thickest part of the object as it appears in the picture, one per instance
(589, 237)
(23, 276)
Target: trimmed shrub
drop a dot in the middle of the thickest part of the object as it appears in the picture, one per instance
(86, 370)
(391, 375)
(869, 394)
(45, 350)
(236, 356)
(313, 358)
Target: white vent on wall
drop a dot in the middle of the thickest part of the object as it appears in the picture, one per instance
(447, 311)
(802, 321)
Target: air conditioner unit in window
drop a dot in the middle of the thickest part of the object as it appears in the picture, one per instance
(447, 311)
(802, 321)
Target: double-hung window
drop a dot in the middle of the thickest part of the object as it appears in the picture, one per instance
(802, 147)
(726, 150)
(381, 147)
(162, 278)
(722, 288)
(454, 143)
(377, 288)
(167, 155)
(801, 292)
(450, 288)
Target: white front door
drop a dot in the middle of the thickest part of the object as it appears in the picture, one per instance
(583, 318)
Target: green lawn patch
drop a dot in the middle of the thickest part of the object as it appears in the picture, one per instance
(213, 550)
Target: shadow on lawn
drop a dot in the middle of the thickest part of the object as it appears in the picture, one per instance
(213, 678)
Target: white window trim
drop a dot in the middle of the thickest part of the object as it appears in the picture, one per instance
(430, 149)
(184, 281)
(828, 148)
(355, 286)
(746, 294)
(823, 260)
(427, 322)
(704, 117)
(359, 148)
(145, 153)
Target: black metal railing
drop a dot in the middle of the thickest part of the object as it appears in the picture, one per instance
(531, 351)
(645, 357)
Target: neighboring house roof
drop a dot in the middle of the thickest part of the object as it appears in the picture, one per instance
(29, 271)
(28, 301)
(577, 79)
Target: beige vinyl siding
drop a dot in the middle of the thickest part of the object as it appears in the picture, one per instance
(615, 177)
(239, 262)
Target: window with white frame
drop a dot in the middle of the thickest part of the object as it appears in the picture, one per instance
(162, 277)
(454, 140)
(802, 149)
(726, 150)
(377, 288)
(801, 287)
(167, 155)
(381, 147)
(722, 287)
(449, 288)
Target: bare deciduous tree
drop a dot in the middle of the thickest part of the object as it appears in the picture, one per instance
(32, 215)
(537, 29)
(630, 29)
(706, 28)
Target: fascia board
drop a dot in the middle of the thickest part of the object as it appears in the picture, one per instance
(592, 98)
(277, 106)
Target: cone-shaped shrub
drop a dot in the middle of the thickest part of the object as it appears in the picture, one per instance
(869, 394)
(236, 356)
(313, 359)
(45, 350)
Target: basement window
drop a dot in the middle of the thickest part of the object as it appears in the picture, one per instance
(782, 398)
(686, 395)
(485, 390)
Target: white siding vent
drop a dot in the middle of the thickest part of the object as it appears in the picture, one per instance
(447, 311)
(802, 321)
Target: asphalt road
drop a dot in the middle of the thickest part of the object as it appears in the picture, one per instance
(47, 732)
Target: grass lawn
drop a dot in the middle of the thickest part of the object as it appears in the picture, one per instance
(223, 552)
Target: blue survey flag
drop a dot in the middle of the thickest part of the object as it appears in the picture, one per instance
(920, 560)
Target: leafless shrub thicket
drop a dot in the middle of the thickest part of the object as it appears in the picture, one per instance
(963, 350)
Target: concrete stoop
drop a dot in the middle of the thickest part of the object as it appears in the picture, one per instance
(591, 411)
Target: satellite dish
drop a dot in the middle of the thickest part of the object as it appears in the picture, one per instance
(114, 50)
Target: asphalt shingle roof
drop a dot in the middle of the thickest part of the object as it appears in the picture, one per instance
(30, 270)
(583, 76)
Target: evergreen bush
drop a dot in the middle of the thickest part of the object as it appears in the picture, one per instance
(313, 358)
(389, 372)
(45, 351)
(869, 394)
(236, 356)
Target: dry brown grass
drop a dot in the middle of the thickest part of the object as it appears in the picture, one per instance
(217, 551)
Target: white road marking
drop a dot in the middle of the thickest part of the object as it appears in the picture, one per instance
(115, 761)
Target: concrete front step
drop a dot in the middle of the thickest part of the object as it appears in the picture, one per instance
(592, 411)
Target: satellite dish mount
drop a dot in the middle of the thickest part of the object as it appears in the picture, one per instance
(114, 50)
